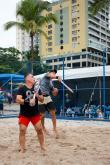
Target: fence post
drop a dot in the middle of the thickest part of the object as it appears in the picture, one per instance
(104, 81)
(63, 87)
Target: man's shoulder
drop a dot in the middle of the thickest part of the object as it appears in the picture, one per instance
(22, 88)
(45, 77)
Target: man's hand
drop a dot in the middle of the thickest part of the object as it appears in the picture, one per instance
(55, 92)
(59, 78)
(19, 100)
(39, 97)
(32, 102)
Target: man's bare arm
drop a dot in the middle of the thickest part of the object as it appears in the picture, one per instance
(40, 97)
(19, 99)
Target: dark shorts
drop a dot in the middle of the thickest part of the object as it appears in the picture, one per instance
(26, 120)
(47, 107)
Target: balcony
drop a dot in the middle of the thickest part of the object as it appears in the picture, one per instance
(94, 33)
(94, 26)
(95, 45)
(96, 21)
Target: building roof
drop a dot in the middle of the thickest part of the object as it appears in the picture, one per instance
(82, 72)
(11, 77)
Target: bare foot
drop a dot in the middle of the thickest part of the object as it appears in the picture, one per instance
(43, 148)
(43, 151)
(21, 150)
(56, 134)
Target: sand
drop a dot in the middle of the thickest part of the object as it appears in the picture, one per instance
(80, 143)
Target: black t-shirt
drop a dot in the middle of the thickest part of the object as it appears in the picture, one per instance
(26, 109)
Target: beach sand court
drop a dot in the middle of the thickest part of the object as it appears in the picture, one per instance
(80, 143)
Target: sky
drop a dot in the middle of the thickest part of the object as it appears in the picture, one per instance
(7, 13)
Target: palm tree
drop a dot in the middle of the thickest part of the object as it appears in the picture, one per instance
(98, 5)
(32, 19)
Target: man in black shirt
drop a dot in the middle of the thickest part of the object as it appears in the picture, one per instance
(29, 111)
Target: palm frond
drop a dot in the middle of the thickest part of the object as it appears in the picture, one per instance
(51, 17)
(10, 24)
(98, 5)
(42, 6)
(27, 9)
(42, 32)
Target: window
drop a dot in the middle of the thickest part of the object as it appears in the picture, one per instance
(84, 56)
(50, 26)
(50, 38)
(74, 1)
(95, 58)
(74, 39)
(49, 43)
(89, 56)
(48, 61)
(50, 67)
(61, 23)
(76, 65)
(68, 58)
(103, 17)
(61, 59)
(61, 11)
(61, 41)
(55, 60)
(89, 64)
(61, 17)
(83, 50)
(74, 26)
(92, 64)
(55, 67)
(61, 29)
(69, 65)
(49, 49)
(83, 64)
(76, 57)
(50, 32)
(61, 47)
(61, 35)
(74, 9)
(74, 32)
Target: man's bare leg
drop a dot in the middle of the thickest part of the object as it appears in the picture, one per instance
(43, 123)
(22, 133)
(39, 130)
(53, 116)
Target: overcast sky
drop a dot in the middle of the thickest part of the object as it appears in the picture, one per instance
(7, 13)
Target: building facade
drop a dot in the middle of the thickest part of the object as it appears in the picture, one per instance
(23, 40)
(79, 38)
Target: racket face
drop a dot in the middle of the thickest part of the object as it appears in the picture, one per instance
(37, 85)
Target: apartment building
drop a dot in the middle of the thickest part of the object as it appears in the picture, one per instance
(79, 38)
(23, 40)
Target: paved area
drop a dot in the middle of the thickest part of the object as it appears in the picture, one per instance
(9, 109)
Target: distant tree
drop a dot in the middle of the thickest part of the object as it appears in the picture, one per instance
(38, 66)
(9, 60)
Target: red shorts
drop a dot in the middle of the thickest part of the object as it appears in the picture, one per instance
(26, 120)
